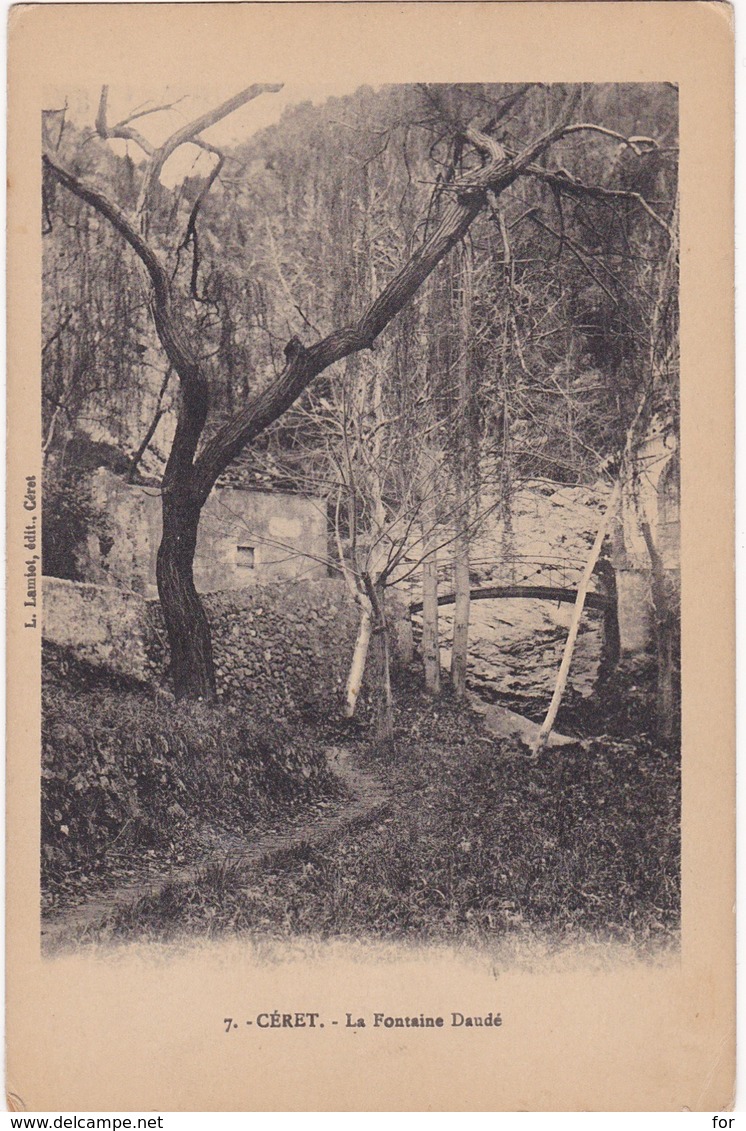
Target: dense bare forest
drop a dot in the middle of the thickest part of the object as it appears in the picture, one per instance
(442, 699)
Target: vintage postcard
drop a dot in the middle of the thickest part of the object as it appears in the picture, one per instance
(370, 543)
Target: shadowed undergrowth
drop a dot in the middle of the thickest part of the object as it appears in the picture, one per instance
(478, 840)
(128, 776)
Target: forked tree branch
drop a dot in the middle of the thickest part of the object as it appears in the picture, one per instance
(190, 132)
(468, 196)
(563, 182)
(122, 130)
(304, 364)
(194, 401)
(171, 332)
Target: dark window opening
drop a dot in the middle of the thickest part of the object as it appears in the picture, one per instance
(245, 557)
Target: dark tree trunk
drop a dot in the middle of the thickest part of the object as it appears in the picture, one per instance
(611, 647)
(188, 482)
(384, 702)
(666, 638)
(192, 666)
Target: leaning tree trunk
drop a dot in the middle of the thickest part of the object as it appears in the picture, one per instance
(359, 658)
(577, 613)
(192, 666)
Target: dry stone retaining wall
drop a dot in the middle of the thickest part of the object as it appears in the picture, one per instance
(283, 647)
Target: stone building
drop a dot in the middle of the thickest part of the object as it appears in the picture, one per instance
(246, 537)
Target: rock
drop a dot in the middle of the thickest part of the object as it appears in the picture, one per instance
(502, 723)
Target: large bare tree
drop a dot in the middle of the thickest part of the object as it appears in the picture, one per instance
(193, 464)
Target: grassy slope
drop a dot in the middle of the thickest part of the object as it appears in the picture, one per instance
(133, 783)
(478, 840)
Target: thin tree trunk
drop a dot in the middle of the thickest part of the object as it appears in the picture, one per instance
(137, 457)
(192, 666)
(359, 658)
(611, 646)
(665, 639)
(460, 648)
(159, 411)
(430, 631)
(577, 613)
(464, 477)
(385, 704)
(564, 670)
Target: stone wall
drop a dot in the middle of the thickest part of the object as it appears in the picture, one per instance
(245, 537)
(105, 627)
(285, 646)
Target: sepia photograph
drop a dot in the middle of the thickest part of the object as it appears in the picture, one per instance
(370, 540)
(360, 526)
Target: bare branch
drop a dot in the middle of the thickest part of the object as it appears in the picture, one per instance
(632, 143)
(167, 322)
(283, 281)
(191, 131)
(149, 110)
(191, 228)
(565, 240)
(122, 130)
(563, 182)
(304, 364)
(159, 412)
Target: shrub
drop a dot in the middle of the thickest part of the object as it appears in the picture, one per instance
(479, 842)
(121, 766)
(68, 517)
